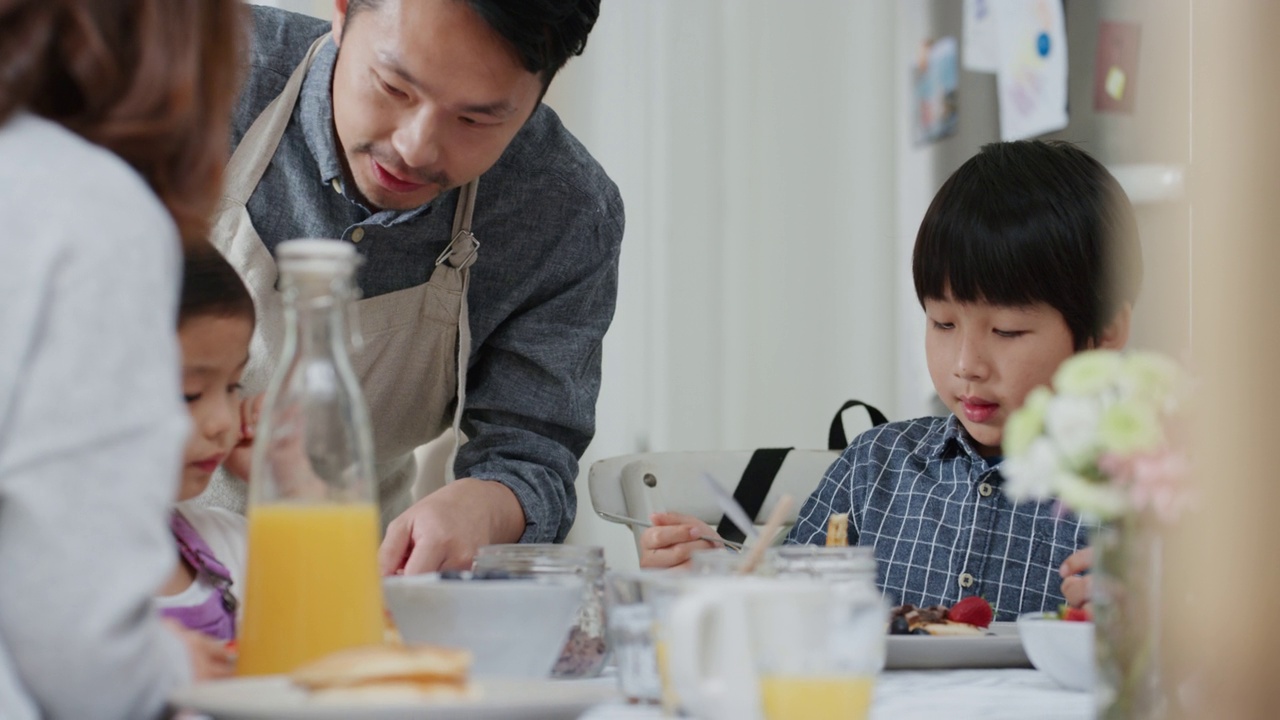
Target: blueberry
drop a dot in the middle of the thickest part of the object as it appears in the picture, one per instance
(899, 626)
(920, 631)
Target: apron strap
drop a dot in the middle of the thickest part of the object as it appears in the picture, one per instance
(461, 255)
(254, 153)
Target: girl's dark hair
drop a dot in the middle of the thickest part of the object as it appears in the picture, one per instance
(1029, 222)
(544, 33)
(153, 81)
(211, 287)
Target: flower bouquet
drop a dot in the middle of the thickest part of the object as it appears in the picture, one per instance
(1104, 443)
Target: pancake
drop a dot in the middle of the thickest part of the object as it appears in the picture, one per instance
(387, 672)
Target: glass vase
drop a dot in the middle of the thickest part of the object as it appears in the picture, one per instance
(1126, 609)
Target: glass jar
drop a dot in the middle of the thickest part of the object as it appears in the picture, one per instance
(585, 650)
(722, 561)
(851, 567)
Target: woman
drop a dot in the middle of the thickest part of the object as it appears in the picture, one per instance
(113, 131)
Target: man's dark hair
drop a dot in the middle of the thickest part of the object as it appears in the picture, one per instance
(1028, 222)
(544, 33)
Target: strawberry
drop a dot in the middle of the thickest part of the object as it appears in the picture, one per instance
(972, 610)
(1076, 615)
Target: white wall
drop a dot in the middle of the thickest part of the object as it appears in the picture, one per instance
(753, 143)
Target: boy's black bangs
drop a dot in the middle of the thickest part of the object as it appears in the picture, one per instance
(992, 245)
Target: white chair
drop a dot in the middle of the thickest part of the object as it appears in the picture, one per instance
(636, 485)
(633, 486)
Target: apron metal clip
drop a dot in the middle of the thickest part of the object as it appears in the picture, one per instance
(464, 235)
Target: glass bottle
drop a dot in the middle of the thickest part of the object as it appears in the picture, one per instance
(585, 649)
(313, 584)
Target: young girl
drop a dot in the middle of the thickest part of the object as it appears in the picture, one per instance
(215, 323)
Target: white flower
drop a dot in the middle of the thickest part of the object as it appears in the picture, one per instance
(1088, 373)
(1071, 421)
(1149, 377)
(1090, 498)
(1087, 441)
(1026, 423)
(1031, 473)
(1130, 426)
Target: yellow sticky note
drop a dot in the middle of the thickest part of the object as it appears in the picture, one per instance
(1115, 83)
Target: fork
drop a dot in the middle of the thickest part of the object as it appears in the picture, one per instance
(736, 547)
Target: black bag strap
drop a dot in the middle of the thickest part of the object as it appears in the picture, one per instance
(753, 488)
(837, 439)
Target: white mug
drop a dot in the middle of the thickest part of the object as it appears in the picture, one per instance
(774, 649)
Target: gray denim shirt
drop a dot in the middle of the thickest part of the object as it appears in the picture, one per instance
(542, 295)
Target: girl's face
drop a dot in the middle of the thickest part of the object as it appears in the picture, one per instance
(214, 352)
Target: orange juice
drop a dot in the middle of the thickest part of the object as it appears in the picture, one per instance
(313, 584)
(670, 701)
(816, 698)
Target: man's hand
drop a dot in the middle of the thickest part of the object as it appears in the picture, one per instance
(443, 530)
(1077, 588)
(240, 458)
(672, 540)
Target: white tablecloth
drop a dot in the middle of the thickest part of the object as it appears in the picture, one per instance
(941, 694)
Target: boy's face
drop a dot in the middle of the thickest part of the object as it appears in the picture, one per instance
(426, 97)
(214, 353)
(985, 358)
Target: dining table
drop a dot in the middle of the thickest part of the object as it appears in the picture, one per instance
(980, 694)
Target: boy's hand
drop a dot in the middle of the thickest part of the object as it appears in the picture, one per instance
(672, 540)
(210, 657)
(240, 459)
(1077, 588)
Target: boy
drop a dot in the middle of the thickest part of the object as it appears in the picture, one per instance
(1028, 254)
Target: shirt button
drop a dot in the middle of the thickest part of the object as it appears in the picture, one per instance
(337, 186)
(357, 235)
(966, 580)
(985, 489)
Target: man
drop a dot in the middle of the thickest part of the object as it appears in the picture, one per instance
(377, 141)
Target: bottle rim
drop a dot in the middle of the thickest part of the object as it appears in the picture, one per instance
(315, 255)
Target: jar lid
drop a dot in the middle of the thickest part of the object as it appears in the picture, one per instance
(539, 557)
(823, 561)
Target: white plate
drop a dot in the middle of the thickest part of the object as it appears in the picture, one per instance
(1001, 649)
(259, 698)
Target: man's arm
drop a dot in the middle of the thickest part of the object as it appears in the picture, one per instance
(530, 409)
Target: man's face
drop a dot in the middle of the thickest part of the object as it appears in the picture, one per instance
(426, 97)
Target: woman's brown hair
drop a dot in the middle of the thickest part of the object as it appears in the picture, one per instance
(153, 81)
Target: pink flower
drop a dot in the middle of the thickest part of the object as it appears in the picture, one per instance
(1155, 480)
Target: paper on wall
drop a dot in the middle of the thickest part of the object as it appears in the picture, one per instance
(980, 46)
(1032, 78)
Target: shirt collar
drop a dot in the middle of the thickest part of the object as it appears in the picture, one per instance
(316, 113)
(315, 103)
(956, 441)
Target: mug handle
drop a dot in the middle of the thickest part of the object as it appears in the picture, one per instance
(709, 657)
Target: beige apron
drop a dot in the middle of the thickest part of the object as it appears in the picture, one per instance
(412, 360)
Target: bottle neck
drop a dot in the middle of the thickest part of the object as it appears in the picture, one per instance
(316, 309)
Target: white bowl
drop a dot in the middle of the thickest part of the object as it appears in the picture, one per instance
(513, 628)
(1061, 649)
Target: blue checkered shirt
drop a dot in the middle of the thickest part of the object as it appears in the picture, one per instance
(932, 508)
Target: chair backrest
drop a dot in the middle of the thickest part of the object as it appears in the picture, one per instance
(637, 485)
